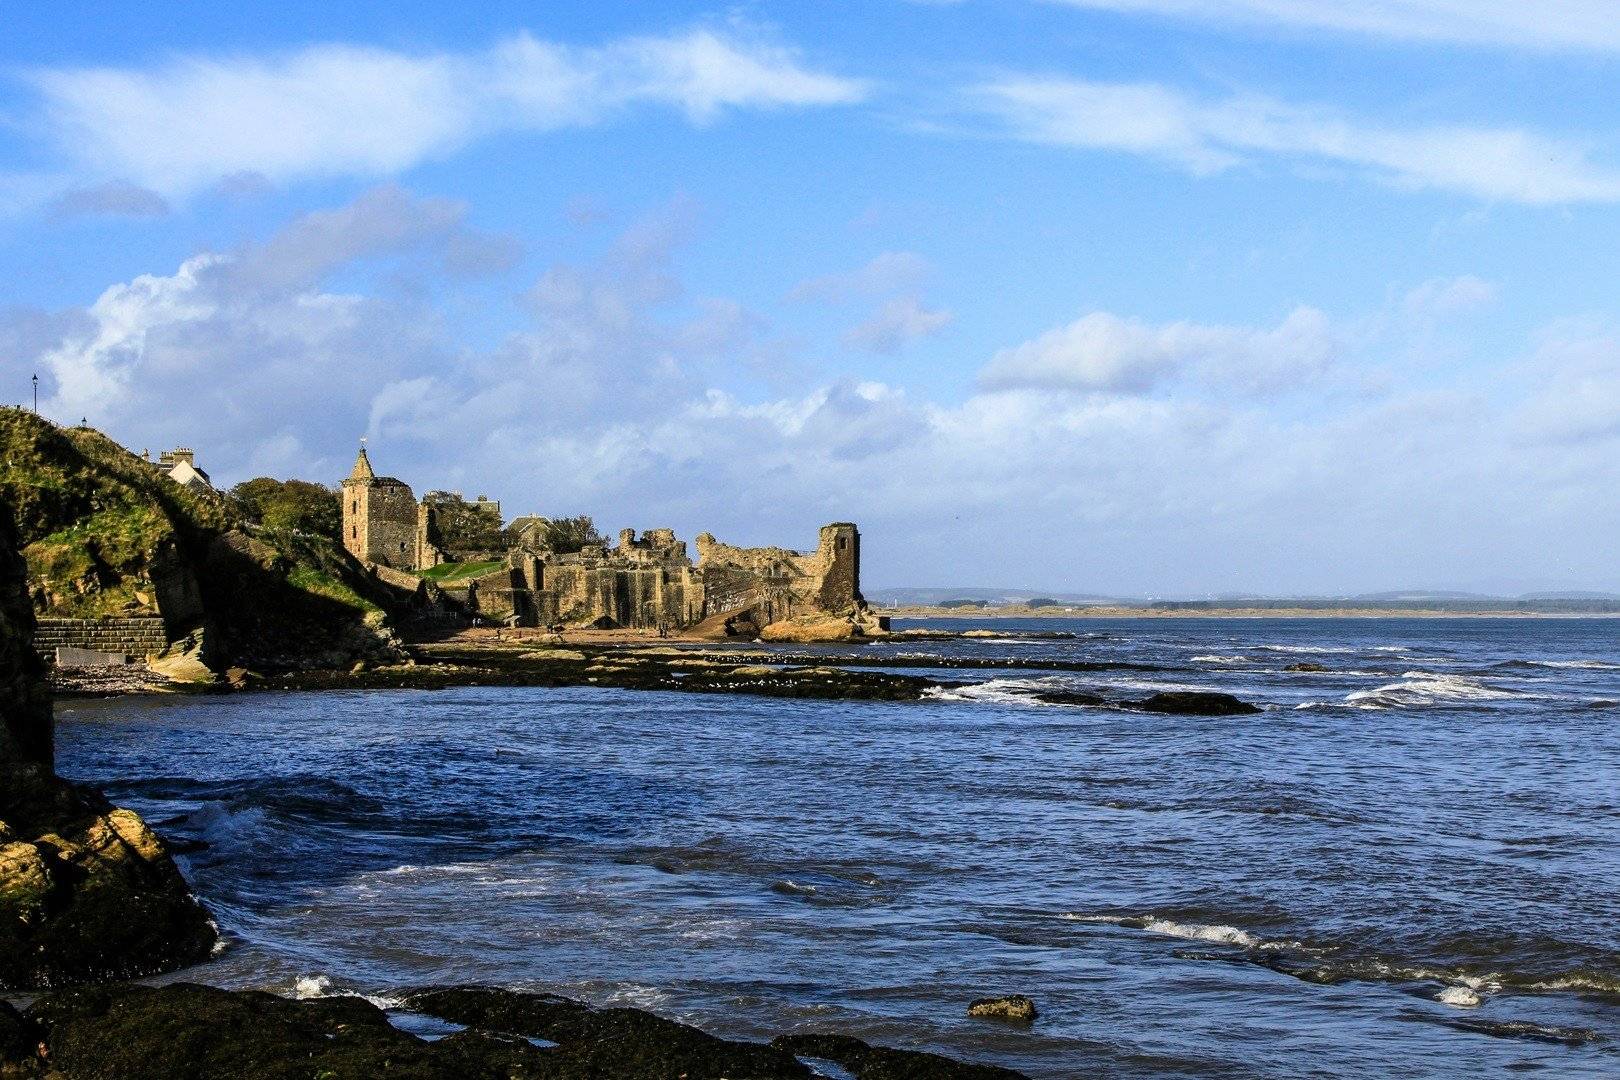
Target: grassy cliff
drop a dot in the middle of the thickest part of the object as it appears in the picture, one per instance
(106, 533)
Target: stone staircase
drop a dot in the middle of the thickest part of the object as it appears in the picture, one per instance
(134, 637)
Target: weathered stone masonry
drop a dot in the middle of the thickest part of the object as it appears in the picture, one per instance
(644, 582)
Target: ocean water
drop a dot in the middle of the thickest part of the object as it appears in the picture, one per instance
(1407, 865)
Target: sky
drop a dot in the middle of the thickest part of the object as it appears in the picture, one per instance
(1134, 297)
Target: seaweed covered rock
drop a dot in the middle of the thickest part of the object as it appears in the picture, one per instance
(868, 1062)
(1195, 703)
(19, 1046)
(135, 1032)
(203, 1033)
(627, 1044)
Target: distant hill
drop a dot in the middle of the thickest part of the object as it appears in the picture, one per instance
(931, 597)
(988, 599)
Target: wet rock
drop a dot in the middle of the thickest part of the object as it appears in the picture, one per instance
(868, 1062)
(19, 1046)
(203, 1033)
(1194, 703)
(1306, 667)
(1015, 1007)
(88, 892)
(627, 1044)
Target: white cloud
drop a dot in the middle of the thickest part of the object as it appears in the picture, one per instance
(886, 273)
(1440, 298)
(1574, 387)
(339, 110)
(1577, 25)
(896, 324)
(1209, 136)
(1103, 352)
(627, 398)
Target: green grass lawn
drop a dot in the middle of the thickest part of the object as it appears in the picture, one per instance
(447, 573)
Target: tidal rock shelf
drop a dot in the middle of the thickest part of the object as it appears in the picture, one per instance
(135, 1032)
(717, 671)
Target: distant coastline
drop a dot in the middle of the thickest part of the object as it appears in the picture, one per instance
(1190, 611)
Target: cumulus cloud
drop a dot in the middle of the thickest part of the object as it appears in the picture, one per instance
(896, 324)
(1104, 352)
(1206, 136)
(621, 394)
(1577, 25)
(341, 110)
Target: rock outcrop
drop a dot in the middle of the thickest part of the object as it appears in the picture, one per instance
(86, 890)
(25, 701)
(157, 1033)
(1014, 1007)
(821, 629)
(1195, 703)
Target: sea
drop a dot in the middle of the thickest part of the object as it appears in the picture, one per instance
(1406, 864)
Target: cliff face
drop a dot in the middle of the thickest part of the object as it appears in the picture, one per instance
(86, 890)
(25, 704)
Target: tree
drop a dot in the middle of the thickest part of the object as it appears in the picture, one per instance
(462, 528)
(568, 535)
(290, 506)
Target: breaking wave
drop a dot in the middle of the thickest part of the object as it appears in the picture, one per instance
(1419, 688)
(998, 691)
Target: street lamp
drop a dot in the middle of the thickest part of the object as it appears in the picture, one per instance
(36, 395)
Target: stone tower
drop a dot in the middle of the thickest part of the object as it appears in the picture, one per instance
(839, 554)
(379, 517)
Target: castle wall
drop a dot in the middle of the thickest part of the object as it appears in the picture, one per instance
(643, 582)
(782, 584)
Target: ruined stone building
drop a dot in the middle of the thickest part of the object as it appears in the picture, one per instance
(644, 581)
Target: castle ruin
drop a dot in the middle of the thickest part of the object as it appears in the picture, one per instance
(644, 582)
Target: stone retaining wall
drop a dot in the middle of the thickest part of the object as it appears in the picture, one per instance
(135, 637)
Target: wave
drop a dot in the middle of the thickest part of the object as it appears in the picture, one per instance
(998, 691)
(315, 987)
(1419, 688)
(1216, 659)
(1221, 935)
(1460, 985)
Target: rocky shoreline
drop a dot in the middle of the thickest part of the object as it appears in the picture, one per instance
(90, 894)
(135, 1032)
(691, 668)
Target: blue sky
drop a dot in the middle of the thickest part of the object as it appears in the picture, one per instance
(1165, 297)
